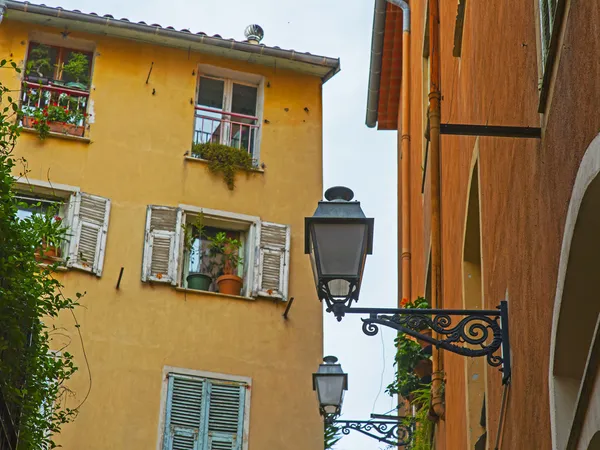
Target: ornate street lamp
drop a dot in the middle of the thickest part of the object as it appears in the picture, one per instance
(331, 382)
(338, 238)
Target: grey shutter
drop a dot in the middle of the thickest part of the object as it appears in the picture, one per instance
(273, 258)
(184, 417)
(89, 228)
(161, 244)
(225, 415)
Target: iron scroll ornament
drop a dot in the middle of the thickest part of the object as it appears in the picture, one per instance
(477, 333)
(387, 431)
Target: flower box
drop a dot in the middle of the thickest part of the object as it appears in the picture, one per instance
(57, 127)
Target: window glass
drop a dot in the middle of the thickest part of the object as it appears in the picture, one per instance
(75, 69)
(210, 93)
(203, 259)
(42, 61)
(29, 206)
(244, 100)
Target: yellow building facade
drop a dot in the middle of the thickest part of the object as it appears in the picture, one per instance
(161, 365)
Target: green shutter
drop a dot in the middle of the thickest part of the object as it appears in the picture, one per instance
(184, 413)
(225, 415)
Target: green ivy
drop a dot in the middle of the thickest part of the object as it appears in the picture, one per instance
(32, 377)
(224, 159)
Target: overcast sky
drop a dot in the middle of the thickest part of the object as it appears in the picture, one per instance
(354, 155)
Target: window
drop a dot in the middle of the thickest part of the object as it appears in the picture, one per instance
(227, 113)
(56, 89)
(85, 216)
(547, 15)
(204, 413)
(176, 253)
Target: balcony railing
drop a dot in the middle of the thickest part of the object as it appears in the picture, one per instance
(222, 127)
(63, 108)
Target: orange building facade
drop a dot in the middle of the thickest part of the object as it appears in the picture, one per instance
(516, 214)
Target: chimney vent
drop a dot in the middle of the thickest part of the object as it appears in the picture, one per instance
(254, 34)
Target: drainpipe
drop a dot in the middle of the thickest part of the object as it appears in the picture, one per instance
(404, 156)
(437, 401)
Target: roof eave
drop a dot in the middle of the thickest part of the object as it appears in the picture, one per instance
(321, 66)
(375, 64)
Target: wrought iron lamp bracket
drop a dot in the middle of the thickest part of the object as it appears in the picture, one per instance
(387, 431)
(477, 333)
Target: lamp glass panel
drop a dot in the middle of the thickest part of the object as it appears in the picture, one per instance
(340, 247)
(330, 389)
(339, 288)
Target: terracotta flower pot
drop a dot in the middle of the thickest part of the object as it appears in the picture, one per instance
(47, 253)
(426, 332)
(230, 284)
(423, 368)
(28, 121)
(66, 128)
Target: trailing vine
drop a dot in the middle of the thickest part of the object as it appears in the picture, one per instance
(224, 159)
(33, 375)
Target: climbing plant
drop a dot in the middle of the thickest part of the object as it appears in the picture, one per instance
(32, 376)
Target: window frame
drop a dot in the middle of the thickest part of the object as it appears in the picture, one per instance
(240, 222)
(164, 396)
(230, 77)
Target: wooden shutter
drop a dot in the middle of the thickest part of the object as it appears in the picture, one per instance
(89, 228)
(225, 421)
(186, 397)
(161, 246)
(273, 258)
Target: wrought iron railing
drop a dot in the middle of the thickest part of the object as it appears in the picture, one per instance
(222, 127)
(66, 108)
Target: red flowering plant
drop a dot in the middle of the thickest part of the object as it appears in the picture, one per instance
(50, 227)
(63, 109)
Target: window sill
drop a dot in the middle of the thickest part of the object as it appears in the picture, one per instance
(215, 294)
(67, 137)
(205, 161)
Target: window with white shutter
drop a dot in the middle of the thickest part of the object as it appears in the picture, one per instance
(273, 243)
(204, 413)
(161, 244)
(89, 227)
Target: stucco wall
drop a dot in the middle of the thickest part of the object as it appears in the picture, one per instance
(136, 158)
(525, 187)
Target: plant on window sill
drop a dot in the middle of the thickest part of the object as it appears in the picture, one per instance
(202, 277)
(224, 159)
(229, 250)
(52, 233)
(55, 118)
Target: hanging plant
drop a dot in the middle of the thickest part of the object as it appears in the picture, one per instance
(224, 160)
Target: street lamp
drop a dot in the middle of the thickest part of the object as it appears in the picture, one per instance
(330, 382)
(338, 238)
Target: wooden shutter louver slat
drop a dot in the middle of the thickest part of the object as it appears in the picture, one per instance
(161, 246)
(273, 260)
(186, 403)
(184, 442)
(221, 445)
(89, 228)
(224, 410)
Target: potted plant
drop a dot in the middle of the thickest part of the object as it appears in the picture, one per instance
(224, 159)
(201, 278)
(39, 67)
(52, 233)
(76, 70)
(229, 250)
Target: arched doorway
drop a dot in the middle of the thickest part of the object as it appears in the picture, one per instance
(475, 378)
(577, 301)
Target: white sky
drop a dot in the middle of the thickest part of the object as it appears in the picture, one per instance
(354, 155)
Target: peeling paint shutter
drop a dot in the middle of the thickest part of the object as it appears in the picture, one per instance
(225, 416)
(89, 228)
(184, 413)
(161, 246)
(273, 260)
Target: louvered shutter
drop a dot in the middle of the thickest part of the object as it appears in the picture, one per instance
(225, 416)
(273, 259)
(184, 417)
(161, 246)
(89, 228)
